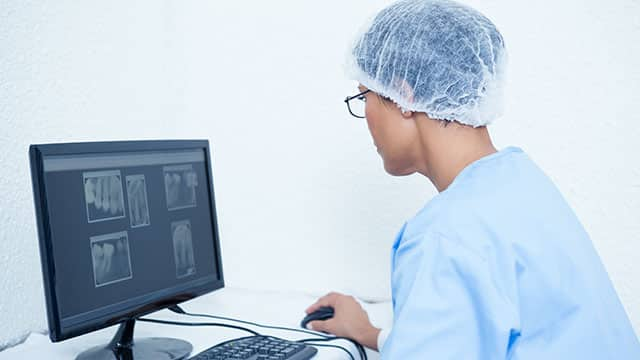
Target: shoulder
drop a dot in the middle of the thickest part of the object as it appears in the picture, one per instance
(446, 223)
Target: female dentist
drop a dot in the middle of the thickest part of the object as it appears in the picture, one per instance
(496, 265)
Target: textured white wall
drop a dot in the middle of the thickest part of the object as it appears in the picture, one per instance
(297, 178)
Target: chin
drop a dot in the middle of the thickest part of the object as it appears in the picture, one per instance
(395, 170)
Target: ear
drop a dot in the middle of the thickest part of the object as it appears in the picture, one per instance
(406, 113)
(407, 91)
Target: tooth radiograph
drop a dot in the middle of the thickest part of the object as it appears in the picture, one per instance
(183, 248)
(138, 203)
(111, 258)
(103, 195)
(180, 186)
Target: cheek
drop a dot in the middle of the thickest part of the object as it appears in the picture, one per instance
(370, 116)
(374, 113)
(372, 127)
(395, 142)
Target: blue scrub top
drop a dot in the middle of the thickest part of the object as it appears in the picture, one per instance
(497, 266)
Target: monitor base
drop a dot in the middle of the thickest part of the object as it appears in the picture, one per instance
(122, 347)
(144, 349)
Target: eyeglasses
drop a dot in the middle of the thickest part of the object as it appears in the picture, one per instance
(356, 108)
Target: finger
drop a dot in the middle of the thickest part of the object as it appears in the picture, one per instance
(321, 325)
(327, 300)
(315, 305)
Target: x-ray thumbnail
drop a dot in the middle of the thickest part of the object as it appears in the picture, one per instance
(138, 204)
(180, 183)
(103, 195)
(111, 259)
(183, 248)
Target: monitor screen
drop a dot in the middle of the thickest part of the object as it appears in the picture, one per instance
(126, 228)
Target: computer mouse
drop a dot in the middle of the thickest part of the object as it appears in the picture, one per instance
(323, 313)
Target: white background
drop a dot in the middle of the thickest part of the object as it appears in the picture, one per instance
(303, 201)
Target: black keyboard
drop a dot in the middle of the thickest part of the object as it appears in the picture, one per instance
(258, 348)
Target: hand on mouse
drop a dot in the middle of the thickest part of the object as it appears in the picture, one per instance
(349, 319)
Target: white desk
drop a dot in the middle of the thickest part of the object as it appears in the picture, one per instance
(267, 308)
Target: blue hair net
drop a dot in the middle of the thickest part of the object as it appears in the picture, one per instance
(434, 56)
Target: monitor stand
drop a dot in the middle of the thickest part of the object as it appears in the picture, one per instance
(122, 347)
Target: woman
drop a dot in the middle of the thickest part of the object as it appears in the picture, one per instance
(496, 265)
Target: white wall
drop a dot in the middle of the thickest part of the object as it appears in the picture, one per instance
(297, 178)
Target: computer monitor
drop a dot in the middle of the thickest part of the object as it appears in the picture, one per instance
(125, 229)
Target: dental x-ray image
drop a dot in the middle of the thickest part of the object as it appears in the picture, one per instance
(138, 204)
(183, 248)
(111, 260)
(103, 195)
(180, 183)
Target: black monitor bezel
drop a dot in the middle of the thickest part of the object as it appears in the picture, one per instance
(37, 154)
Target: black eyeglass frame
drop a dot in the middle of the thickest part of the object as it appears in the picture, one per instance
(360, 96)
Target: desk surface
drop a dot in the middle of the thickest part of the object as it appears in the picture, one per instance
(263, 307)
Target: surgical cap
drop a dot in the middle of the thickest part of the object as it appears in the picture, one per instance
(433, 56)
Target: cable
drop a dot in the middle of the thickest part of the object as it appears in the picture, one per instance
(333, 346)
(361, 351)
(166, 322)
(178, 310)
(360, 348)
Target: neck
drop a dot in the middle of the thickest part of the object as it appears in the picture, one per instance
(447, 150)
